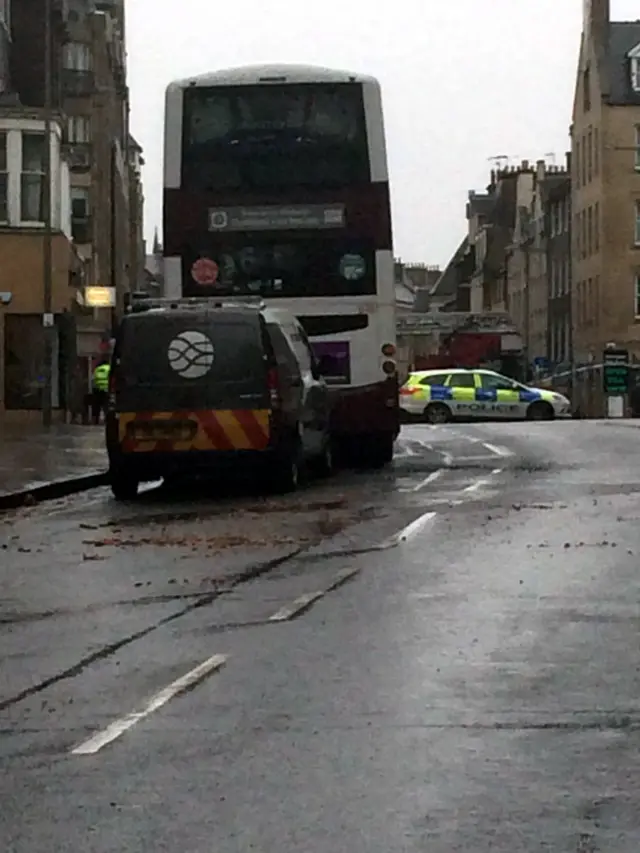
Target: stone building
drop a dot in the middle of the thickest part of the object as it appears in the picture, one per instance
(605, 138)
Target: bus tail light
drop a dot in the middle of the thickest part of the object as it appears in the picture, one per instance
(389, 367)
(273, 384)
(388, 350)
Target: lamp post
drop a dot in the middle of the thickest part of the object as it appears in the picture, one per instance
(47, 242)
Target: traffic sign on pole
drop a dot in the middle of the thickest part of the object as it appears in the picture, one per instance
(615, 371)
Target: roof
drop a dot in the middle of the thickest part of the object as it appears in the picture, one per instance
(246, 75)
(454, 370)
(623, 37)
(447, 284)
(480, 204)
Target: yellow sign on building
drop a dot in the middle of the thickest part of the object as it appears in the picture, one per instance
(99, 297)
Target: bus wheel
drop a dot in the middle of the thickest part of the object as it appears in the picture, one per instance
(322, 465)
(437, 413)
(124, 486)
(285, 470)
(377, 450)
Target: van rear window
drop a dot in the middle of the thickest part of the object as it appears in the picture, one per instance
(170, 350)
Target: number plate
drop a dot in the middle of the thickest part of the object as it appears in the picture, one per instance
(163, 430)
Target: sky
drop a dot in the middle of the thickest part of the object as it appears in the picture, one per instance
(463, 81)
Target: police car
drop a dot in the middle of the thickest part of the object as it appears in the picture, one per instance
(439, 396)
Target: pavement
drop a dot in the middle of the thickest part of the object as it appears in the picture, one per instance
(32, 457)
(441, 656)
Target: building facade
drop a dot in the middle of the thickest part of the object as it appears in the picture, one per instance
(89, 88)
(556, 211)
(605, 137)
(22, 222)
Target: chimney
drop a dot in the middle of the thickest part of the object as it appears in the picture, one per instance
(568, 156)
(597, 15)
(541, 168)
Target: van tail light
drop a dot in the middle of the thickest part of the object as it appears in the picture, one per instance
(273, 384)
(407, 391)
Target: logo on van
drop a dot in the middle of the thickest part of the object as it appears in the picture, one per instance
(191, 355)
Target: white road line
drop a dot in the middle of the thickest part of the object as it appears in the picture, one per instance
(484, 481)
(290, 610)
(119, 727)
(304, 602)
(410, 530)
(499, 451)
(428, 480)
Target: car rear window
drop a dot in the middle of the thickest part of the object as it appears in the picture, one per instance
(178, 349)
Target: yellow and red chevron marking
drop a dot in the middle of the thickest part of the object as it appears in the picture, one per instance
(219, 429)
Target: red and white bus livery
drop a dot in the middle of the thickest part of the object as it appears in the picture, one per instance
(276, 185)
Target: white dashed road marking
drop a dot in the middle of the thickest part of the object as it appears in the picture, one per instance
(435, 475)
(410, 530)
(119, 727)
(304, 602)
(484, 481)
(499, 451)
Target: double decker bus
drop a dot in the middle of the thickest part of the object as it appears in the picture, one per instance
(276, 186)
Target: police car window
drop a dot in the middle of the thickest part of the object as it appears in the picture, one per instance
(496, 383)
(462, 380)
(435, 379)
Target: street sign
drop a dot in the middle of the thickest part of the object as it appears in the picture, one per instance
(48, 321)
(615, 371)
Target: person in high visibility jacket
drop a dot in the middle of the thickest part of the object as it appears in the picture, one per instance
(100, 390)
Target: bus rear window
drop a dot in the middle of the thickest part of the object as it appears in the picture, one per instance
(277, 135)
(264, 265)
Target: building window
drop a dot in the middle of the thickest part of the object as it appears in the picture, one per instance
(4, 179)
(637, 238)
(23, 360)
(586, 89)
(590, 155)
(76, 56)
(635, 74)
(596, 151)
(577, 162)
(638, 147)
(79, 129)
(32, 178)
(589, 231)
(80, 209)
(596, 227)
(637, 296)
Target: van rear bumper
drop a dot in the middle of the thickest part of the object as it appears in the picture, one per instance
(191, 463)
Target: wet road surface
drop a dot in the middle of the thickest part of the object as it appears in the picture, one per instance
(442, 656)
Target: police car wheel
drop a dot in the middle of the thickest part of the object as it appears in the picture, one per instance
(437, 413)
(540, 412)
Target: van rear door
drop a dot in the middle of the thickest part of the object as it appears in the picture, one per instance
(177, 362)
